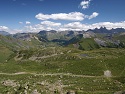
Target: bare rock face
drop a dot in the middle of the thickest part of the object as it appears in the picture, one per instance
(107, 73)
(100, 42)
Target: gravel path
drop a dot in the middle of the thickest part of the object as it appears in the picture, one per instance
(50, 74)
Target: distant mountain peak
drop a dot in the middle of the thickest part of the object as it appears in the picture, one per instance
(105, 30)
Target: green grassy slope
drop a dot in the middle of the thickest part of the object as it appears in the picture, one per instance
(88, 44)
(4, 54)
(85, 44)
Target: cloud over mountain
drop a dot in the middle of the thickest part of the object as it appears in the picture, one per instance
(49, 23)
(2, 28)
(76, 26)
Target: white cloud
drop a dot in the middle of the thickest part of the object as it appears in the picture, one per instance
(20, 22)
(3, 28)
(73, 16)
(45, 25)
(31, 29)
(74, 25)
(85, 4)
(37, 28)
(27, 22)
(94, 14)
(50, 24)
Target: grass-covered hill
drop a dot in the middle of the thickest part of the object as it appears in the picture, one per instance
(85, 44)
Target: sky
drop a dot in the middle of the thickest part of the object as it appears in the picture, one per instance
(18, 16)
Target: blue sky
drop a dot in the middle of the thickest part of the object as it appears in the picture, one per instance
(35, 15)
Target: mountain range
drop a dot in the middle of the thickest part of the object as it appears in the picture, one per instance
(84, 40)
(104, 30)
